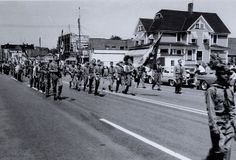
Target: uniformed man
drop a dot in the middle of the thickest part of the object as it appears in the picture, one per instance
(221, 113)
(111, 76)
(85, 75)
(179, 72)
(91, 76)
(129, 76)
(119, 71)
(36, 74)
(156, 74)
(53, 69)
(98, 75)
(140, 76)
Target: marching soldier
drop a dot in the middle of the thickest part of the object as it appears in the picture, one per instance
(129, 76)
(91, 76)
(119, 71)
(140, 76)
(60, 83)
(53, 69)
(156, 74)
(221, 112)
(36, 74)
(98, 75)
(85, 75)
(111, 76)
(48, 80)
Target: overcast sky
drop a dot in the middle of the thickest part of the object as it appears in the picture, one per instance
(26, 21)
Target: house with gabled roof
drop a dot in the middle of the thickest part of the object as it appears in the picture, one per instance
(192, 36)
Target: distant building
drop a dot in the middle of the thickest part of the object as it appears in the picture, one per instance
(191, 36)
(68, 45)
(232, 50)
(108, 50)
(10, 51)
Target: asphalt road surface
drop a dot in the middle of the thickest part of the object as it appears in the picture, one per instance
(149, 126)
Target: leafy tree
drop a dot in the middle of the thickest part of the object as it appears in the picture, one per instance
(115, 38)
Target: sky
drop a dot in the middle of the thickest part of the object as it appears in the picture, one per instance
(26, 21)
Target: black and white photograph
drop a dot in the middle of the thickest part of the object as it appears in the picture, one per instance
(117, 80)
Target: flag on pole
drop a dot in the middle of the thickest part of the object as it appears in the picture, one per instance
(150, 57)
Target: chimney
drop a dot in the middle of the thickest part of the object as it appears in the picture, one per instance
(190, 8)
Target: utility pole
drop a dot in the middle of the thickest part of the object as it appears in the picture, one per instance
(79, 47)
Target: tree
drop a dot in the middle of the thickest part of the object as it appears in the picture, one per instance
(115, 38)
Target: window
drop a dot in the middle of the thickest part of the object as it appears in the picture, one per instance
(189, 55)
(206, 41)
(164, 51)
(215, 39)
(202, 26)
(107, 47)
(178, 52)
(194, 40)
(136, 43)
(140, 28)
(197, 26)
(178, 37)
(172, 62)
(142, 42)
(122, 47)
(113, 47)
(199, 55)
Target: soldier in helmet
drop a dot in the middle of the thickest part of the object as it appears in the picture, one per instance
(221, 112)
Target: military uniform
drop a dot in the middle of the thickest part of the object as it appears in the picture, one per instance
(129, 78)
(111, 77)
(140, 76)
(156, 74)
(53, 69)
(98, 75)
(119, 71)
(221, 114)
(179, 76)
(91, 76)
(85, 76)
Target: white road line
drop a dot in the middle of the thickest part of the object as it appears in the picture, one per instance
(169, 105)
(147, 141)
(13, 78)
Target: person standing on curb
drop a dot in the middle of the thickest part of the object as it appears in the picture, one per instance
(179, 72)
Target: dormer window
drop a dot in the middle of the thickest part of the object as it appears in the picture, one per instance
(140, 28)
(202, 26)
(197, 26)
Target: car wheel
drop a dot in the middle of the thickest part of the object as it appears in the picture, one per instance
(150, 80)
(171, 83)
(203, 85)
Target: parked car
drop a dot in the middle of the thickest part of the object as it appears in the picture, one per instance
(204, 81)
(168, 76)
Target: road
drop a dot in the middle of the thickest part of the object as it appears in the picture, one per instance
(152, 125)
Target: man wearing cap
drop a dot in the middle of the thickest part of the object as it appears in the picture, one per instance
(179, 72)
(221, 112)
